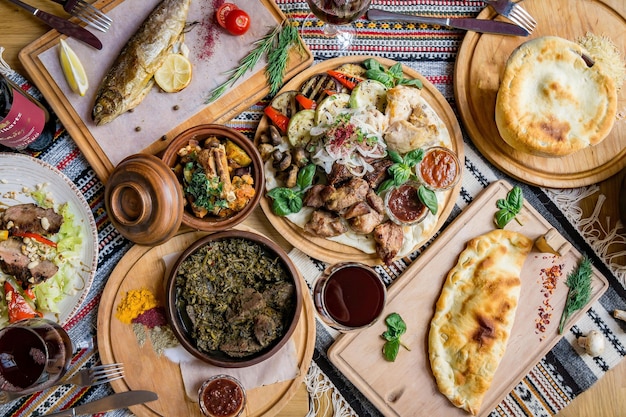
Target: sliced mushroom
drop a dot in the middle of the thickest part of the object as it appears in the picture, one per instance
(275, 137)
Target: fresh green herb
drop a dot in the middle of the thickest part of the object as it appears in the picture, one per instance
(396, 327)
(276, 44)
(402, 171)
(579, 283)
(509, 208)
(289, 200)
(205, 192)
(389, 77)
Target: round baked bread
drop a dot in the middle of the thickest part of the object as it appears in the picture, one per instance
(552, 100)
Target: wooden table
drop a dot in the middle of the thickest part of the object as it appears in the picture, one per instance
(607, 398)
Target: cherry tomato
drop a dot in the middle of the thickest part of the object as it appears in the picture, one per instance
(223, 11)
(17, 305)
(237, 22)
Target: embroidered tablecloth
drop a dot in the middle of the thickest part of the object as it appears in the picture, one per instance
(559, 377)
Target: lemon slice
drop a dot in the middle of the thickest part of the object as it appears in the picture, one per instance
(73, 69)
(174, 74)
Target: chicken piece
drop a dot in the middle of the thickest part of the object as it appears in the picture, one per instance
(221, 166)
(325, 224)
(337, 199)
(401, 100)
(338, 174)
(389, 239)
(365, 223)
(402, 136)
(357, 209)
(375, 201)
(313, 196)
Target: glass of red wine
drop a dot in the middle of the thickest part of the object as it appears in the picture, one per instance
(34, 355)
(349, 296)
(335, 20)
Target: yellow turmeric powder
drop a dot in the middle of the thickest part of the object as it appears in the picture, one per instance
(134, 303)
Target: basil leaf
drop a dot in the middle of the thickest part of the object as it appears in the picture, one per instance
(305, 177)
(395, 156)
(391, 349)
(285, 201)
(412, 158)
(381, 76)
(413, 83)
(396, 71)
(503, 217)
(395, 324)
(515, 198)
(428, 198)
(295, 203)
(371, 63)
(387, 184)
(502, 204)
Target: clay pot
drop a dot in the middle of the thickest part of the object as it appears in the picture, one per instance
(199, 134)
(144, 200)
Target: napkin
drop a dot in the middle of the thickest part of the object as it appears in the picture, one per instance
(282, 366)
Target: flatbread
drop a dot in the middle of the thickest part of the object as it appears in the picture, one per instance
(552, 101)
(474, 316)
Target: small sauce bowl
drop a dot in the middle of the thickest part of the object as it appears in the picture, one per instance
(403, 205)
(439, 169)
(222, 396)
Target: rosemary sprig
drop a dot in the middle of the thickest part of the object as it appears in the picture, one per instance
(579, 283)
(276, 45)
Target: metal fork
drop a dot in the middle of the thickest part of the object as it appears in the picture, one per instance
(514, 12)
(87, 13)
(95, 375)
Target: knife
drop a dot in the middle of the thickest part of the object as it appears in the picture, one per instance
(477, 25)
(112, 402)
(62, 25)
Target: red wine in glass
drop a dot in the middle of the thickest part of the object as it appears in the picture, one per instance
(34, 354)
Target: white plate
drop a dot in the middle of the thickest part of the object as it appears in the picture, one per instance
(18, 171)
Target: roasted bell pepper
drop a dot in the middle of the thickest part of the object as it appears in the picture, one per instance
(17, 305)
(35, 236)
(280, 120)
(348, 81)
(306, 102)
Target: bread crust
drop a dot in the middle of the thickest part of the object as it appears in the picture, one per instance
(474, 316)
(551, 103)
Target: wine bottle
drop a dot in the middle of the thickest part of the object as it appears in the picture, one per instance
(24, 122)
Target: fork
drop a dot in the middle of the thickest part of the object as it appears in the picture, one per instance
(514, 12)
(95, 375)
(87, 13)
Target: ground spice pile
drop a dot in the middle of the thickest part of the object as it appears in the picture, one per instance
(141, 309)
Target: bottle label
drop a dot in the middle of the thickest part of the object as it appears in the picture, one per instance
(23, 124)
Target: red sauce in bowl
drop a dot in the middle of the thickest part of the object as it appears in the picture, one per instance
(404, 205)
(439, 169)
(221, 396)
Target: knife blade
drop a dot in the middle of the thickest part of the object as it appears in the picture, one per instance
(111, 402)
(62, 25)
(477, 25)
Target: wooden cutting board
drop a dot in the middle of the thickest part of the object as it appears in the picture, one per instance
(142, 267)
(250, 89)
(327, 250)
(480, 66)
(407, 387)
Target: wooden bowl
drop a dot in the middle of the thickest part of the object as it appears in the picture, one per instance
(199, 133)
(144, 200)
(176, 306)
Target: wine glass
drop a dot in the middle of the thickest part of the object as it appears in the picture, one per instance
(337, 16)
(34, 354)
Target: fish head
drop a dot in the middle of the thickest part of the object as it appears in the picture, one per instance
(108, 106)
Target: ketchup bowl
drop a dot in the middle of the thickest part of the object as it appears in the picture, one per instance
(439, 169)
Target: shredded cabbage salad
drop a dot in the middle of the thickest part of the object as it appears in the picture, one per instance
(66, 256)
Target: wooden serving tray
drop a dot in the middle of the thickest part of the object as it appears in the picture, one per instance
(479, 69)
(407, 387)
(142, 267)
(327, 250)
(251, 88)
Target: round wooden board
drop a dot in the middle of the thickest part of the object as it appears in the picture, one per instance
(142, 267)
(480, 66)
(329, 251)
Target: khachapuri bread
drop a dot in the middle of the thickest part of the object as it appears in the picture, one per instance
(553, 100)
(474, 316)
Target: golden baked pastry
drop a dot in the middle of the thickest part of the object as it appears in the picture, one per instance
(474, 316)
(552, 100)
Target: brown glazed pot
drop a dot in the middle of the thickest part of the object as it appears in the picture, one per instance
(173, 310)
(144, 200)
(199, 133)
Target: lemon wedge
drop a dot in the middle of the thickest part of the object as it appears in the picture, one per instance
(174, 74)
(73, 69)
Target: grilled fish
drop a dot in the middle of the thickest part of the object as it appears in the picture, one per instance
(130, 78)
